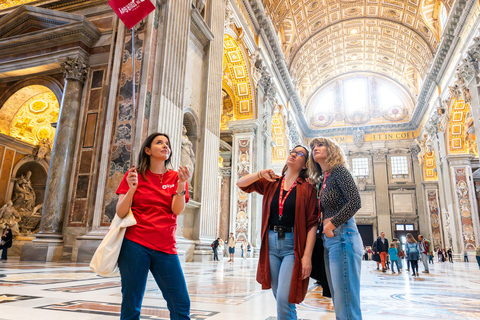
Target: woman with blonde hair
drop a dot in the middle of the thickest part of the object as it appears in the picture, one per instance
(338, 201)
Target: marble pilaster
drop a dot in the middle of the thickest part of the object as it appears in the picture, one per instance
(244, 132)
(226, 174)
(434, 214)
(48, 245)
(381, 192)
(166, 113)
(422, 210)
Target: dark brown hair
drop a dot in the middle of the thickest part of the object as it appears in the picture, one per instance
(144, 158)
(304, 172)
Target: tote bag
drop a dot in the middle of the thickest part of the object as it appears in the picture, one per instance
(104, 261)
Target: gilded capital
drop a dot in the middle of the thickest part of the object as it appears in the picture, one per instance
(75, 68)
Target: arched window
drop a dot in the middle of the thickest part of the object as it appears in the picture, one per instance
(387, 98)
(325, 102)
(355, 95)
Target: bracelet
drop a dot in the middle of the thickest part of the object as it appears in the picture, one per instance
(181, 194)
(259, 175)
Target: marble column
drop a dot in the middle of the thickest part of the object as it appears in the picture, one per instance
(422, 212)
(433, 214)
(243, 149)
(166, 113)
(211, 120)
(48, 245)
(382, 202)
(226, 174)
(464, 219)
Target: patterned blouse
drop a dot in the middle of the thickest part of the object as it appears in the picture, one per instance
(340, 199)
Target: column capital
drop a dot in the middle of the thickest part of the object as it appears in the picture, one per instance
(244, 126)
(379, 155)
(459, 159)
(225, 171)
(75, 68)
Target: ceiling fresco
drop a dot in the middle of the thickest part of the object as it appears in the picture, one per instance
(326, 39)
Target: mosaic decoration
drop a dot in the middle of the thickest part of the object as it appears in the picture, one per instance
(461, 138)
(32, 122)
(120, 148)
(462, 192)
(279, 150)
(430, 167)
(113, 309)
(87, 287)
(434, 210)
(243, 168)
(237, 79)
(4, 298)
(331, 38)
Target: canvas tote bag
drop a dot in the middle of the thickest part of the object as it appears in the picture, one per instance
(104, 261)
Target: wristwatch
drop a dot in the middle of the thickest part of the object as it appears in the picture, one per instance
(181, 194)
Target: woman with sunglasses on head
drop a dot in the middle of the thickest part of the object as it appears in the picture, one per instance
(339, 200)
(289, 226)
(156, 195)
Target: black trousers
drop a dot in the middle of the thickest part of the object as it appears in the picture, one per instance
(215, 255)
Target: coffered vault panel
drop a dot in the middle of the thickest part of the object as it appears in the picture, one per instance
(392, 38)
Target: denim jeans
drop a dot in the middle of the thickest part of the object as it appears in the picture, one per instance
(282, 257)
(134, 263)
(395, 262)
(478, 260)
(424, 260)
(343, 260)
(399, 263)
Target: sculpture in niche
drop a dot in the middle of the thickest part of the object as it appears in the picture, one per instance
(187, 156)
(10, 216)
(428, 144)
(23, 193)
(444, 116)
(421, 154)
(359, 137)
(361, 183)
(459, 89)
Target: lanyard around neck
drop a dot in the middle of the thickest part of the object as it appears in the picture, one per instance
(281, 201)
(324, 185)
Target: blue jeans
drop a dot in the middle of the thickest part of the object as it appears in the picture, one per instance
(478, 260)
(282, 257)
(399, 263)
(134, 263)
(343, 261)
(424, 257)
(395, 262)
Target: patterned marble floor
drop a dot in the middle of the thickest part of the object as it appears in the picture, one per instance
(222, 290)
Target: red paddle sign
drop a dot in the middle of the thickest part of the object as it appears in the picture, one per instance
(131, 12)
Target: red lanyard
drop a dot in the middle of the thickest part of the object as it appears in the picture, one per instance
(324, 185)
(281, 201)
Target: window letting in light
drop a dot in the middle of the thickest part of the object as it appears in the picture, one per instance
(360, 167)
(356, 95)
(399, 166)
(387, 98)
(324, 103)
(443, 16)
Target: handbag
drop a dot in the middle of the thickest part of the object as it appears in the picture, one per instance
(104, 261)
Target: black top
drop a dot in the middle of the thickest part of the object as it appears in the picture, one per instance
(8, 239)
(340, 199)
(288, 219)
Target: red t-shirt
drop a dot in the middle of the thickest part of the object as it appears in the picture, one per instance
(152, 208)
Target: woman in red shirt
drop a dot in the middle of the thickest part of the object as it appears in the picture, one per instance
(289, 227)
(156, 195)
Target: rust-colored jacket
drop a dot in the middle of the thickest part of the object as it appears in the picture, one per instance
(305, 218)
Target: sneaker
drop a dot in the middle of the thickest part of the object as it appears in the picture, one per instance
(413, 274)
(378, 269)
(399, 272)
(384, 270)
(393, 272)
(230, 260)
(425, 271)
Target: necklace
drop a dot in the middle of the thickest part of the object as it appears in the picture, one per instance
(159, 175)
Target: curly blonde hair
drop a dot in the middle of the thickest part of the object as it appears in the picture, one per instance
(335, 157)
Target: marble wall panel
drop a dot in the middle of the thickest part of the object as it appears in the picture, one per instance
(120, 148)
(86, 161)
(194, 76)
(90, 129)
(465, 208)
(7, 164)
(403, 203)
(435, 223)
(368, 203)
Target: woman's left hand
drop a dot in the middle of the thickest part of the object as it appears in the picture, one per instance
(328, 230)
(183, 174)
(306, 266)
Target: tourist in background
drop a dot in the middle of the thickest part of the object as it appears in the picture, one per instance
(393, 254)
(382, 248)
(289, 227)
(450, 254)
(7, 239)
(477, 255)
(425, 247)
(231, 247)
(413, 253)
(339, 200)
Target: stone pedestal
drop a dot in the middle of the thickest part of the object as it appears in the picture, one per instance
(48, 245)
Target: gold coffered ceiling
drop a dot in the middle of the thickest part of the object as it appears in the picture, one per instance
(323, 39)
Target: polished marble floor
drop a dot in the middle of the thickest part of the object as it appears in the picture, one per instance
(228, 291)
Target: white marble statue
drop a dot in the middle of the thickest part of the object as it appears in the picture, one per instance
(23, 193)
(421, 154)
(188, 155)
(9, 216)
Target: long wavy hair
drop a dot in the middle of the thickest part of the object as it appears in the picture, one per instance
(144, 158)
(304, 172)
(410, 238)
(335, 157)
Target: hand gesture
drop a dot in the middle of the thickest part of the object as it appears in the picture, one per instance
(269, 175)
(183, 174)
(328, 230)
(132, 179)
(306, 267)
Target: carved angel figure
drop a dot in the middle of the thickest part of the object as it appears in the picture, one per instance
(188, 155)
(421, 154)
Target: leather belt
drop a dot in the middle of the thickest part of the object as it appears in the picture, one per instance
(275, 228)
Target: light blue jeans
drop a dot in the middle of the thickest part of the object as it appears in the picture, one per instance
(424, 257)
(343, 261)
(282, 257)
